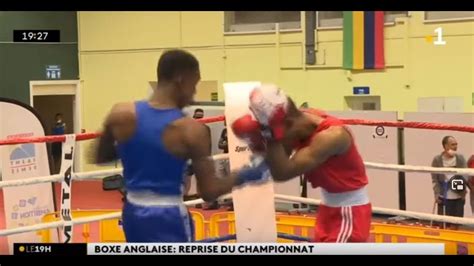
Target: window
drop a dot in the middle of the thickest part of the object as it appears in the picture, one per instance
(448, 15)
(328, 19)
(390, 16)
(247, 21)
(363, 103)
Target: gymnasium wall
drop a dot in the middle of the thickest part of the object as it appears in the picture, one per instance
(118, 53)
(22, 62)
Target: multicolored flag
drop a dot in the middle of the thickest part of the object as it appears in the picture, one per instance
(363, 40)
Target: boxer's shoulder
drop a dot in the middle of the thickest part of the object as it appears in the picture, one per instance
(122, 112)
(336, 131)
(191, 127)
(121, 119)
(187, 122)
(335, 138)
(123, 108)
(192, 134)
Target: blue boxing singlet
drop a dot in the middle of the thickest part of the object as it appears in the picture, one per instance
(153, 210)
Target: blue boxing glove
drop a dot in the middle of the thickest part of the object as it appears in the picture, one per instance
(256, 171)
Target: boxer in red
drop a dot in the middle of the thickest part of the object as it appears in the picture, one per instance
(325, 151)
(470, 183)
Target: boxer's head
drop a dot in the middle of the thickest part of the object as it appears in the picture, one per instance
(268, 102)
(178, 71)
(297, 126)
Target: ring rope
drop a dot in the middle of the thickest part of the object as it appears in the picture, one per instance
(407, 124)
(53, 138)
(379, 210)
(420, 169)
(91, 175)
(98, 175)
(218, 239)
(234, 237)
(213, 119)
(82, 220)
(293, 237)
(115, 215)
(83, 136)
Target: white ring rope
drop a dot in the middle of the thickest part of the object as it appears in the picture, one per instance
(420, 169)
(115, 215)
(97, 175)
(95, 218)
(221, 156)
(91, 175)
(410, 214)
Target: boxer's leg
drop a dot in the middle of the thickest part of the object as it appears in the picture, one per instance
(343, 224)
(361, 218)
(156, 224)
(329, 224)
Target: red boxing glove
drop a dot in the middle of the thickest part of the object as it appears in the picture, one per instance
(248, 129)
(269, 105)
(277, 123)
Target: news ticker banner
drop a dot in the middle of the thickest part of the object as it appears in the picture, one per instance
(230, 249)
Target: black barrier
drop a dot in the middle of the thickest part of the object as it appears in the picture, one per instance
(234, 237)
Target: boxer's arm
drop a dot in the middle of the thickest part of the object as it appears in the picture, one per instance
(209, 185)
(330, 142)
(288, 147)
(122, 121)
(119, 125)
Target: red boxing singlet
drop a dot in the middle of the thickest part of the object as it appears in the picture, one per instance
(340, 173)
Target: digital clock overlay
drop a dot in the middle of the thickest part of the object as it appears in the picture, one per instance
(36, 36)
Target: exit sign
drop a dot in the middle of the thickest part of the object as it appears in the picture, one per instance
(360, 90)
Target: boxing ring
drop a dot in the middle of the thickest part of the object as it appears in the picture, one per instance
(286, 224)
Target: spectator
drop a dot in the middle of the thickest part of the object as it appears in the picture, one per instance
(198, 113)
(450, 202)
(223, 145)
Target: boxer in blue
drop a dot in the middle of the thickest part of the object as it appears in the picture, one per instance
(154, 139)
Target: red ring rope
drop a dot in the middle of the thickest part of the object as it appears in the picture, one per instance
(84, 136)
(213, 119)
(57, 138)
(421, 125)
